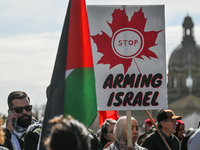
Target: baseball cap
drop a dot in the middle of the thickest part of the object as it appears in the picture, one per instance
(148, 121)
(167, 114)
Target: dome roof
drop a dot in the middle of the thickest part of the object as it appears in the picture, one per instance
(188, 52)
(180, 56)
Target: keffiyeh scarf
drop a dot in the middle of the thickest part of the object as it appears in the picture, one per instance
(16, 134)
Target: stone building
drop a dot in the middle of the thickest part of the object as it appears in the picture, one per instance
(184, 66)
(184, 76)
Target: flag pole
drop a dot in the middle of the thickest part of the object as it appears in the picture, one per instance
(150, 117)
(129, 131)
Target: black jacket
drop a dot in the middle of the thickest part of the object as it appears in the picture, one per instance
(154, 142)
(95, 144)
(7, 142)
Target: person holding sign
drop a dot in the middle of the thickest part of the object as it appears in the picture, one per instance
(167, 121)
(120, 135)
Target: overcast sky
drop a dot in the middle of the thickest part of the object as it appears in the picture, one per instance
(30, 33)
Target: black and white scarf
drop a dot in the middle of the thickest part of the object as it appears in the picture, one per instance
(16, 134)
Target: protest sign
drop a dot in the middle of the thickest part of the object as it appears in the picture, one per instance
(128, 46)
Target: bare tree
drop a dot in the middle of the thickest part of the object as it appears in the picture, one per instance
(38, 111)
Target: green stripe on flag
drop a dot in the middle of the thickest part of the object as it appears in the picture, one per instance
(80, 95)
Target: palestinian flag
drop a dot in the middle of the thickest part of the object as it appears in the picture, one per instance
(80, 94)
(72, 88)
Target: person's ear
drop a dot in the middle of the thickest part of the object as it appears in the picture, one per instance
(162, 123)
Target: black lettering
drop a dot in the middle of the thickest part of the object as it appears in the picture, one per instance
(138, 99)
(155, 79)
(137, 82)
(118, 79)
(129, 80)
(110, 100)
(153, 101)
(146, 98)
(128, 98)
(117, 97)
(108, 82)
(146, 80)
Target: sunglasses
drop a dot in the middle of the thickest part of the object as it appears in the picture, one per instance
(20, 109)
(172, 121)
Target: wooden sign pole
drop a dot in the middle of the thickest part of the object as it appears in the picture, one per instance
(129, 130)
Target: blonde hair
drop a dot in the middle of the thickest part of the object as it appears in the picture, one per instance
(2, 139)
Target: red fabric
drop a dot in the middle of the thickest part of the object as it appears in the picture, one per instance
(79, 51)
(107, 145)
(103, 115)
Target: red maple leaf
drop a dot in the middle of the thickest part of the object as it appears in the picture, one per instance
(120, 21)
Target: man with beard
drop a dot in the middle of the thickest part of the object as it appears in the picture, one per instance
(19, 118)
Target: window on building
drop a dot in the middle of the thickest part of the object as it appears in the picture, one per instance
(188, 32)
(174, 82)
(189, 81)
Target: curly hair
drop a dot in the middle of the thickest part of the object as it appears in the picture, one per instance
(67, 133)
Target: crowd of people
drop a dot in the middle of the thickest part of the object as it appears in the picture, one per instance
(21, 131)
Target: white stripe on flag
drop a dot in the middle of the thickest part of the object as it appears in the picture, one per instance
(67, 72)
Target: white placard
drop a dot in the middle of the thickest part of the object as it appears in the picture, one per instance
(128, 46)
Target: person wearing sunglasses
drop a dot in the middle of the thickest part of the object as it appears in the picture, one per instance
(167, 122)
(107, 132)
(18, 120)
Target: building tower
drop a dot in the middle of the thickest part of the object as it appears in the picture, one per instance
(184, 66)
